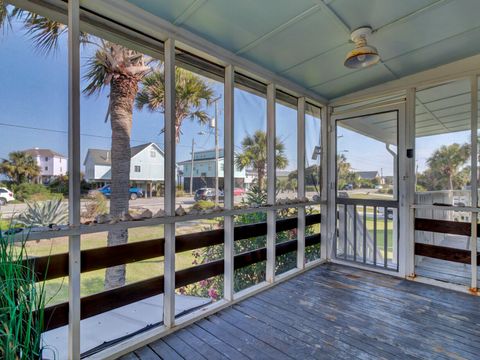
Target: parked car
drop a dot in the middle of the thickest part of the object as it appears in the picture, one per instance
(5, 196)
(238, 192)
(107, 191)
(207, 194)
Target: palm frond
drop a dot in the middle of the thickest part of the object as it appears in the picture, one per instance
(45, 33)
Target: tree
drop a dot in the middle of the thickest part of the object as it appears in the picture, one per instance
(446, 165)
(345, 174)
(190, 92)
(254, 155)
(20, 167)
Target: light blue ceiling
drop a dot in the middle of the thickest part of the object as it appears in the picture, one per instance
(306, 40)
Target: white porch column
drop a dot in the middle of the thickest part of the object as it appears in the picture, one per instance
(271, 185)
(74, 177)
(228, 181)
(170, 179)
(301, 181)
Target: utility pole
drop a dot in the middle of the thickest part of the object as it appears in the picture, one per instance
(191, 166)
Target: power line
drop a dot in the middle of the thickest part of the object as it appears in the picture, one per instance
(82, 134)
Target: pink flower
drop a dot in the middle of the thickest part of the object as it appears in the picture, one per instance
(213, 293)
(203, 283)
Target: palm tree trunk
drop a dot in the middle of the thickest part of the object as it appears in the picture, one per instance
(122, 95)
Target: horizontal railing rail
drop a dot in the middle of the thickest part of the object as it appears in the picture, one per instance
(440, 252)
(56, 266)
(368, 202)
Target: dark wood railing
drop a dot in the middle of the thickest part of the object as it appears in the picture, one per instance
(443, 252)
(56, 266)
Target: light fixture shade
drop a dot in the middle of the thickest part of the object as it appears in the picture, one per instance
(362, 57)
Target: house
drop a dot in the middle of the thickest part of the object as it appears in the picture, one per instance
(146, 167)
(370, 175)
(51, 163)
(204, 171)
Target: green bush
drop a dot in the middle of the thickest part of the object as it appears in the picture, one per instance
(34, 192)
(203, 205)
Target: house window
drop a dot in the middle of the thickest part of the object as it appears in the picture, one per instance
(46, 158)
(153, 153)
(46, 168)
(137, 168)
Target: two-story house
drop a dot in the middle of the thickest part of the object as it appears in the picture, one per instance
(204, 171)
(51, 163)
(146, 167)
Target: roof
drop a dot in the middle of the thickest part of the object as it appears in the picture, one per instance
(43, 153)
(103, 157)
(305, 41)
(200, 156)
(282, 173)
(368, 175)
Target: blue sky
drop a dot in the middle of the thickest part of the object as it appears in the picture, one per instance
(33, 113)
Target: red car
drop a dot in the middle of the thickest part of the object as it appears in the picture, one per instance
(238, 192)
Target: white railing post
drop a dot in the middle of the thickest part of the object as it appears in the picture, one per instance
(74, 178)
(474, 179)
(329, 236)
(170, 179)
(301, 181)
(271, 185)
(228, 181)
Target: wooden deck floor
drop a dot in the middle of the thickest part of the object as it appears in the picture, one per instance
(334, 312)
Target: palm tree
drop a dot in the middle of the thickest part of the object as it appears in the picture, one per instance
(447, 162)
(20, 167)
(190, 92)
(254, 155)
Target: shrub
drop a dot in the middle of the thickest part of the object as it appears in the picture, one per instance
(203, 205)
(44, 214)
(33, 192)
(96, 205)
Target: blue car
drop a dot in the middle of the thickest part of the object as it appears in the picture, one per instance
(134, 192)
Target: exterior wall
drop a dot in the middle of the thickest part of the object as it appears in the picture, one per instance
(102, 172)
(60, 166)
(208, 168)
(151, 168)
(51, 166)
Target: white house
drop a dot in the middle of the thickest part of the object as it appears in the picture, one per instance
(146, 167)
(51, 163)
(204, 171)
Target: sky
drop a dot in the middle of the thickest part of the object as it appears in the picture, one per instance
(34, 113)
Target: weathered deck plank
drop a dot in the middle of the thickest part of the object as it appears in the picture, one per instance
(335, 312)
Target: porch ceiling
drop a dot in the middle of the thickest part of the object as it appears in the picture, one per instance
(306, 40)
